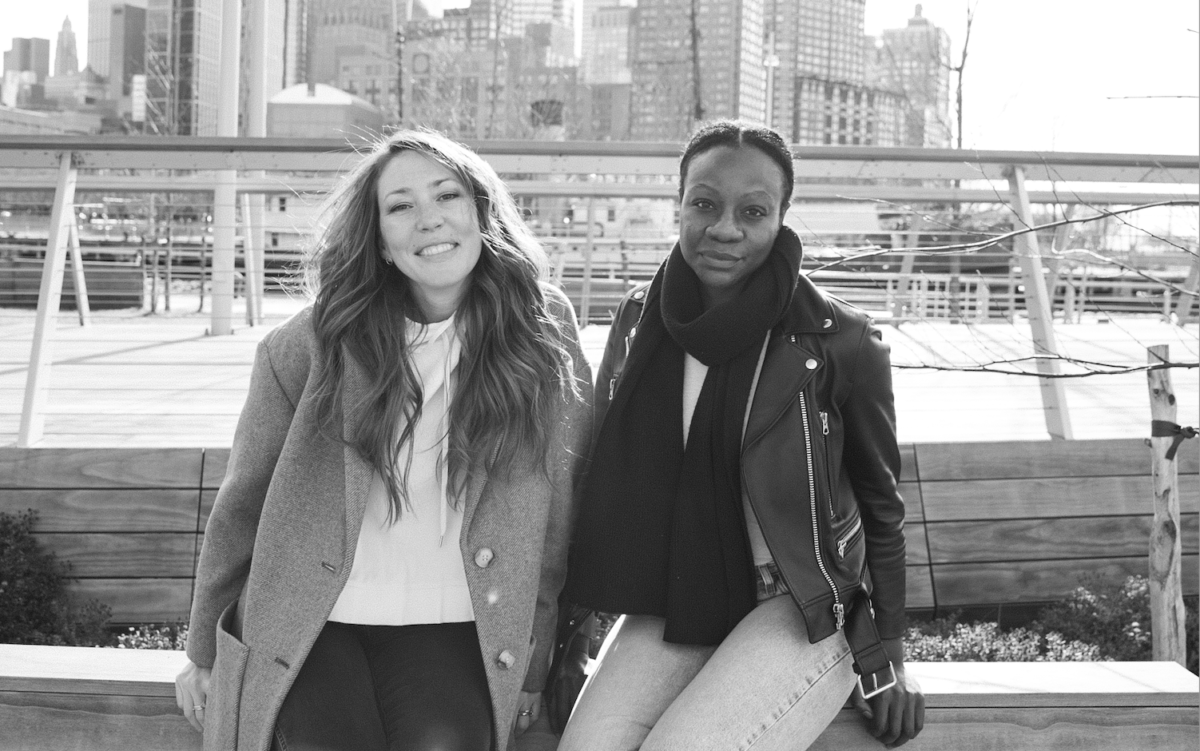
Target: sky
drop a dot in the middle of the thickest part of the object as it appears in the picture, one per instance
(1042, 75)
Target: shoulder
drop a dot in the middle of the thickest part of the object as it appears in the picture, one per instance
(291, 349)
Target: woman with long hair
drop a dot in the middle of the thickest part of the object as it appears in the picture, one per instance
(381, 565)
(740, 506)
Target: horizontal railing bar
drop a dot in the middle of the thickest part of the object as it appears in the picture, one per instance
(280, 185)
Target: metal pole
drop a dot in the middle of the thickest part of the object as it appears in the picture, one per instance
(1166, 590)
(33, 419)
(225, 194)
(1037, 307)
(585, 304)
(256, 127)
(82, 305)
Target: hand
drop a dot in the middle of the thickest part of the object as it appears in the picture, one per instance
(191, 693)
(897, 715)
(529, 708)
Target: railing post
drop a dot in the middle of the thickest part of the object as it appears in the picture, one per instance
(585, 304)
(1037, 307)
(225, 193)
(250, 242)
(33, 419)
(1166, 591)
(1188, 299)
(82, 305)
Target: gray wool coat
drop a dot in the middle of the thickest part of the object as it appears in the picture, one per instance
(283, 531)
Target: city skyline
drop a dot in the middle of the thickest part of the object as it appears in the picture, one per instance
(1051, 85)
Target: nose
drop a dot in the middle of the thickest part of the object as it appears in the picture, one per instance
(725, 229)
(429, 216)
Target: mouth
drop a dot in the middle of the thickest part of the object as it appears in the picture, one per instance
(718, 256)
(436, 250)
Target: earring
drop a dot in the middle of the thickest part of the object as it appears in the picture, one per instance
(387, 260)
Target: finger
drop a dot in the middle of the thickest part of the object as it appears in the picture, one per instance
(194, 709)
(879, 713)
(895, 721)
(919, 715)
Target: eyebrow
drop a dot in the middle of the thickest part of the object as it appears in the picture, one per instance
(751, 193)
(433, 184)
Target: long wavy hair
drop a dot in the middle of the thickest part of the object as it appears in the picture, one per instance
(513, 363)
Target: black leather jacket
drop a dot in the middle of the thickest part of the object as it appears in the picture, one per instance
(819, 457)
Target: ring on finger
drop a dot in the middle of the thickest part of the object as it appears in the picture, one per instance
(526, 713)
(199, 707)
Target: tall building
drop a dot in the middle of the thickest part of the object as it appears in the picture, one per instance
(543, 11)
(352, 46)
(99, 32)
(183, 49)
(610, 43)
(126, 48)
(591, 27)
(677, 40)
(31, 55)
(66, 56)
(915, 62)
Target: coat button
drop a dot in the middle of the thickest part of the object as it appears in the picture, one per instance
(506, 660)
(828, 322)
(483, 557)
(811, 364)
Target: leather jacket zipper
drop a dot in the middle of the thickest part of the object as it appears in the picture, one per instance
(846, 538)
(612, 382)
(828, 468)
(839, 610)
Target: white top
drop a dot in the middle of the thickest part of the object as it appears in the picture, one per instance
(411, 571)
(694, 372)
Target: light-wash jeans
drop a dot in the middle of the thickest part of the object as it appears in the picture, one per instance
(763, 688)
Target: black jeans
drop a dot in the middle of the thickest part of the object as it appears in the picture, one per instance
(390, 688)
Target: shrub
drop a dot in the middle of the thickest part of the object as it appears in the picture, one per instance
(947, 640)
(34, 607)
(1115, 616)
(149, 636)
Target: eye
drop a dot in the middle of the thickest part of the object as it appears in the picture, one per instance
(702, 203)
(756, 212)
(401, 206)
(450, 195)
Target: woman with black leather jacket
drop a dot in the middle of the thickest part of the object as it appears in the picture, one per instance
(741, 506)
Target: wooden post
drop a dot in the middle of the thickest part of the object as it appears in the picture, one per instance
(249, 264)
(1037, 307)
(1166, 591)
(82, 305)
(33, 419)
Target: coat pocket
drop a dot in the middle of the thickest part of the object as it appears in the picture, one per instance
(225, 688)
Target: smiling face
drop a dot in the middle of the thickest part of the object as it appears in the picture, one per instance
(430, 230)
(731, 212)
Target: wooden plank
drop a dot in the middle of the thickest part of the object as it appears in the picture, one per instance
(40, 721)
(215, 462)
(99, 468)
(1041, 539)
(106, 510)
(1022, 459)
(135, 601)
(918, 588)
(962, 584)
(118, 555)
(916, 550)
(1050, 497)
(914, 509)
(908, 463)
(1013, 729)
(120, 672)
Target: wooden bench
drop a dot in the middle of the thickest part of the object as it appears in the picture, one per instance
(987, 523)
(124, 700)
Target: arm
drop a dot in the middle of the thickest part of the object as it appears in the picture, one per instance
(232, 526)
(566, 458)
(872, 457)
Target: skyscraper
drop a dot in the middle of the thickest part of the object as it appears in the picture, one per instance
(31, 55)
(696, 60)
(99, 32)
(66, 57)
(915, 62)
(183, 49)
(127, 48)
(543, 11)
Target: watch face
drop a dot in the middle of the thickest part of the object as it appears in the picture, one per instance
(420, 63)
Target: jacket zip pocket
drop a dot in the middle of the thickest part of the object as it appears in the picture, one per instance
(849, 537)
(828, 467)
(839, 610)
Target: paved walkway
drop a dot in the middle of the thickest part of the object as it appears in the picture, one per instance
(139, 380)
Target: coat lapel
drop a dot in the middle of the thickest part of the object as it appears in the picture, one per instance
(788, 368)
(358, 470)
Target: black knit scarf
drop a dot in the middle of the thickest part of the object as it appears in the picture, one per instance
(661, 530)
